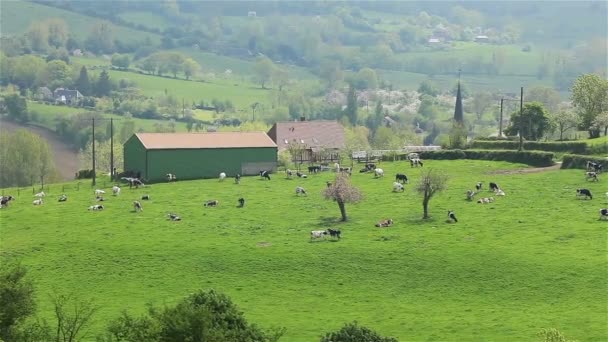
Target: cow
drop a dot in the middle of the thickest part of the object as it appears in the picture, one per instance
(212, 203)
(370, 166)
(591, 175)
(334, 233)
(265, 174)
(314, 169)
(301, 175)
(174, 217)
(99, 198)
(452, 216)
(99, 192)
(145, 197)
(4, 201)
(346, 170)
(237, 179)
(401, 178)
(494, 187)
(289, 173)
(137, 206)
(300, 191)
(470, 194)
(222, 176)
(96, 207)
(604, 213)
(63, 198)
(378, 173)
(363, 170)
(316, 234)
(584, 192)
(170, 177)
(133, 182)
(116, 190)
(385, 223)
(485, 200)
(38, 202)
(241, 202)
(593, 166)
(40, 194)
(413, 155)
(416, 162)
(478, 186)
(499, 192)
(398, 187)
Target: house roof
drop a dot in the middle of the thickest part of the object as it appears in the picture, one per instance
(314, 134)
(160, 141)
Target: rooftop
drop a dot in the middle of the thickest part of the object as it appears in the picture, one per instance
(159, 141)
(313, 134)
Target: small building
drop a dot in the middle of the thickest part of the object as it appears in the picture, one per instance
(318, 140)
(434, 40)
(66, 96)
(482, 39)
(199, 155)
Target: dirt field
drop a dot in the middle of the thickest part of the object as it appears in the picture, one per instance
(66, 158)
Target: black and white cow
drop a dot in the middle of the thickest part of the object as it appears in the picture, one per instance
(170, 177)
(222, 176)
(604, 214)
(63, 198)
(289, 173)
(416, 162)
(4, 200)
(301, 175)
(174, 217)
(591, 175)
(99, 198)
(334, 233)
(314, 169)
(370, 166)
(401, 178)
(478, 186)
(237, 179)
(39, 201)
(265, 174)
(137, 206)
(300, 191)
(385, 223)
(584, 192)
(494, 187)
(241, 202)
(593, 166)
(470, 194)
(317, 234)
(212, 203)
(145, 197)
(96, 207)
(452, 216)
(398, 187)
(378, 173)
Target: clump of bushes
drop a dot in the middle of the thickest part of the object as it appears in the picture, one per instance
(533, 158)
(574, 161)
(569, 146)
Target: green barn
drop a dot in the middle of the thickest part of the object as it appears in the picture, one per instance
(199, 155)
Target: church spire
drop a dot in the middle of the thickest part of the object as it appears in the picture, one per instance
(458, 113)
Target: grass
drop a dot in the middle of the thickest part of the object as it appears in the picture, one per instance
(17, 16)
(502, 273)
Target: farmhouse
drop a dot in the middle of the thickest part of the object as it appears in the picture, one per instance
(199, 155)
(318, 140)
(66, 96)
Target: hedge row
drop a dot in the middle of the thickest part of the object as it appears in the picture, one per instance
(574, 161)
(571, 146)
(533, 158)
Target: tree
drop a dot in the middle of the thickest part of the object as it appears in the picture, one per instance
(330, 71)
(546, 95)
(121, 61)
(16, 107)
(430, 183)
(263, 70)
(149, 65)
(73, 316)
(351, 106)
(27, 70)
(46, 165)
(16, 298)
(590, 98)
(601, 122)
(481, 102)
(102, 155)
(356, 139)
(352, 332)
(57, 32)
(83, 85)
(342, 191)
(101, 38)
(103, 85)
(552, 335)
(190, 67)
(58, 73)
(535, 121)
(38, 37)
(174, 62)
(126, 130)
(367, 78)
(428, 87)
(563, 120)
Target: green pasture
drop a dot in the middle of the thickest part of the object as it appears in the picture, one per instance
(16, 17)
(533, 259)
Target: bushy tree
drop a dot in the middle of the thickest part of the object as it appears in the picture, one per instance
(590, 98)
(351, 106)
(16, 106)
(353, 332)
(535, 121)
(431, 182)
(342, 191)
(17, 300)
(103, 87)
(190, 67)
(564, 119)
(102, 156)
(121, 61)
(263, 70)
(428, 87)
(101, 38)
(552, 335)
(83, 84)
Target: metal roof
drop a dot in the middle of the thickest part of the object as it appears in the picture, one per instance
(313, 134)
(160, 141)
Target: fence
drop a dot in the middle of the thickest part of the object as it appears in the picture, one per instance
(55, 188)
(380, 153)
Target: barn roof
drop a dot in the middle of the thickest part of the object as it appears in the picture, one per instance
(316, 134)
(160, 141)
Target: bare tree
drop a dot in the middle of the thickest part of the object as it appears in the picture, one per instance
(430, 183)
(72, 316)
(342, 191)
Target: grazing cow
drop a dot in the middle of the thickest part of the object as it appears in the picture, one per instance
(591, 175)
(485, 200)
(265, 174)
(363, 170)
(385, 223)
(145, 197)
(593, 166)
(115, 190)
(584, 192)
(63, 198)
(301, 175)
(96, 207)
(99, 192)
(416, 162)
(137, 206)
(478, 186)
(470, 195)
(99, 198)
(499, 192)
(398, 187)
(413, 155)
(316, 234)
(346, 170)
(300, 191)
(289, 173)
(38, 202)
(174, 217)
(212, 203)
(401, 178)
(494, 187)
(40, 194)
(314, 169)
(237, 179)
(604, 213)
(222, 176)
(334, 233)
(452, 216)
(370, 166)
(241, 202)
(4, 201)
(133, 182)
(170, 177)
(379, 173)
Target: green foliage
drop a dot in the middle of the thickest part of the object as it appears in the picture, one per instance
(190, 67)
(458, 136)
(351, 106)
(263, 71)
(26, 158)
(428, 87)
(569, 146)
(103, 85)
(353, 332)
(121, 61)
(101, 38)
(590, 98)
(16, 106)
(533, 158)
(83, 85)
(573, 161)
(552, 335)
(535, 122)
(16, 298)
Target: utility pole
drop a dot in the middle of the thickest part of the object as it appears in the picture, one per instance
(93, 144)
(112, 149)
(521, 120)
(502, 100)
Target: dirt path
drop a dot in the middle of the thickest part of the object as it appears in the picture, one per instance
(66, 158)
(526, 170)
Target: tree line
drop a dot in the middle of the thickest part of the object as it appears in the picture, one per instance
(26, 159)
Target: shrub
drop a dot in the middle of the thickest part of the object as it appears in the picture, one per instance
(572, 147)
(352, 332)
(534, 158)
(574, 161)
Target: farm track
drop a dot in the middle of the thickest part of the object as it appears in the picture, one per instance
(526, 170)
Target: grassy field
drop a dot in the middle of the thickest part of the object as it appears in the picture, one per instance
(502, 273)
(17, 16)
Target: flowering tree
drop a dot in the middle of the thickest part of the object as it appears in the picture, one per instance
(430, 184)
(342, 191)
